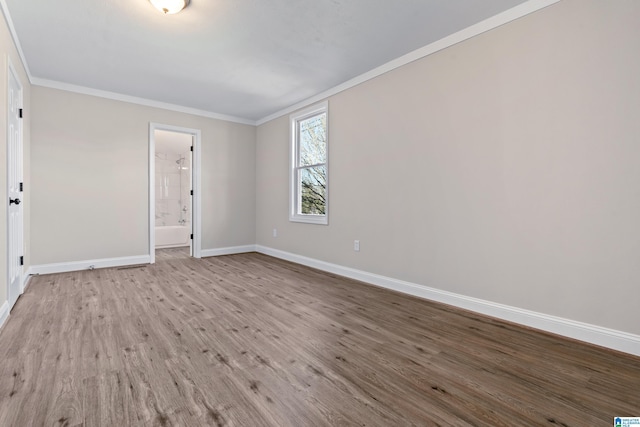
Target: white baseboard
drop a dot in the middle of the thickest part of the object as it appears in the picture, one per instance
(64, 267)
(227, 251)
(26, 279)
(610, 338)
(5, 309)
(4, 313)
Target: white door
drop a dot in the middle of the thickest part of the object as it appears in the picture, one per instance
(14, 183)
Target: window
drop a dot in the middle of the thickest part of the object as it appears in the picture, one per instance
(309, 168)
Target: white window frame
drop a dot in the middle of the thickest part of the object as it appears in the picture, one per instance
(294, 188)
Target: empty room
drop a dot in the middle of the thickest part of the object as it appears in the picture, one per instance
(320, 213)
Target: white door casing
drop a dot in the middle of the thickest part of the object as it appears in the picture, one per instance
(196, 224)
(14, 191)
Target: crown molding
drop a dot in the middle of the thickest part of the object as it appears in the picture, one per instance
(14, 36)
(496, 21)
(455, 38)
(106, 94)
(136, 100)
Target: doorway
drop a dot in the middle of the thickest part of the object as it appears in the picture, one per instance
(15, 210)
(174, 208)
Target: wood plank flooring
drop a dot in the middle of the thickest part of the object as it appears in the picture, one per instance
(249, 340)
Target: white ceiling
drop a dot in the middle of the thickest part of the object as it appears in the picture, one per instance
(242, 58)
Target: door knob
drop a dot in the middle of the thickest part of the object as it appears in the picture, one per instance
(16, 201)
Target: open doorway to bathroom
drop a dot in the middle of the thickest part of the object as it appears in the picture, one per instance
(173, 190)
(173, 193)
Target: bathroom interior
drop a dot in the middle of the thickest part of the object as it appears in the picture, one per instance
(173, 166)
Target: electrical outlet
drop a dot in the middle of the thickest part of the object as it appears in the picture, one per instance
(275, 232)
(356, 245)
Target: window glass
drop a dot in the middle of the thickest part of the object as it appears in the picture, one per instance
(309, 167)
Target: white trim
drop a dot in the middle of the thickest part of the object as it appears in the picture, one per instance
(4, 313)
(14, 36)
(196, 205)
(228, 251)
(36, 81)
(464, 34)
(12, 73)
(610, 338)
(26, 279)
(63, 267)
(294, 146)
(152, 194)
(455, 38)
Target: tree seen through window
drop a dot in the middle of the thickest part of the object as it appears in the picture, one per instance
(312, 171)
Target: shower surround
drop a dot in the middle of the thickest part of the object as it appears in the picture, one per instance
(173, 199)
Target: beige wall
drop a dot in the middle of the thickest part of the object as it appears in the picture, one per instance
(506, 168)
(8, 53)
(90, 166)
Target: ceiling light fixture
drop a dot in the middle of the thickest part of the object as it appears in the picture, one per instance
(169, 7)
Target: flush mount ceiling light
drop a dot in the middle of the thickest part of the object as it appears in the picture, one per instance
(169, 7)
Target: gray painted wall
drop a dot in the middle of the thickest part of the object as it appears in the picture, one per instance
(90, 166)
(505, 168)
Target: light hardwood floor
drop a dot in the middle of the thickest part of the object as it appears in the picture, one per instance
(249, 340)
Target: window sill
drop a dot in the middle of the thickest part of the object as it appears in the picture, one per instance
(310, 219)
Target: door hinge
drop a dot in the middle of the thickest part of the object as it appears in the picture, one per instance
(192, 237)
(192, 192)
(20, 112)
(21, 260)
(21, 187)
(192, 148)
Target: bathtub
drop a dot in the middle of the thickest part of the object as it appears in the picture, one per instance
(172, 236)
